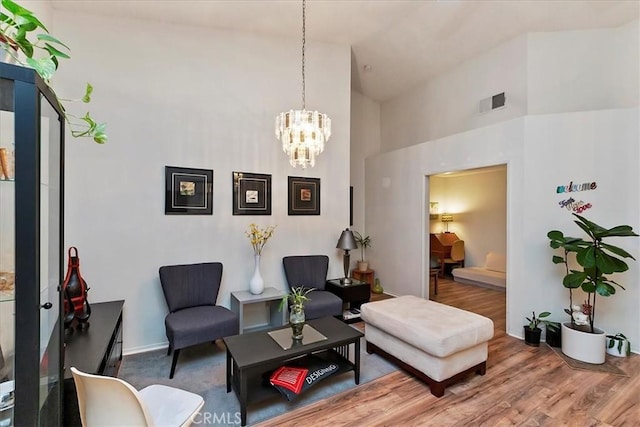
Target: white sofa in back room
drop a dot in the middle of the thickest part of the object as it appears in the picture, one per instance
(492, 275)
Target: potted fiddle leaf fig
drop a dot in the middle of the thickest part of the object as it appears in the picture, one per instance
(26, 41)
(597, 260)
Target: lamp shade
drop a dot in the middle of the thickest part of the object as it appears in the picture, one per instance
(347, 241)
(446, 218)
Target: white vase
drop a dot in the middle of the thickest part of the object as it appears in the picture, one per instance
(584, 346)
(256, 284)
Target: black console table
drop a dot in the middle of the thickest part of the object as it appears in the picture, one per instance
(94, 350)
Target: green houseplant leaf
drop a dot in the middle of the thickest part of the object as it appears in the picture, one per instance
(535, 321)
(574, 279)
(363, 242)
(297, 296)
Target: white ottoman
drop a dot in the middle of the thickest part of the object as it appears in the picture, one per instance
(437, 343)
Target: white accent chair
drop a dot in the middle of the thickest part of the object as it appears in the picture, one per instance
(109, 401)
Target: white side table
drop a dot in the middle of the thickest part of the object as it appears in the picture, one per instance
(270, 296)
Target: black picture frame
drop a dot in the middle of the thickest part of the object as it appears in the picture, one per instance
(251, 193)
(188, 191)
(351, 206)
(304, 196)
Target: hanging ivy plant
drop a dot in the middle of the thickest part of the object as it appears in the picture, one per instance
(27, 41)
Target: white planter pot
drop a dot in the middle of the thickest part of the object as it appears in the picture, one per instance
(614, 350)
(584, 346)
(363, 265)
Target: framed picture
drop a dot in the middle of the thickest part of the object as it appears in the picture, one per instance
(304, 196)
(434, 210)
(351, 206)
(188, 191)
(251, 194)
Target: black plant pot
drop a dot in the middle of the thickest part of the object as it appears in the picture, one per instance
(532, 336)
(554, 337)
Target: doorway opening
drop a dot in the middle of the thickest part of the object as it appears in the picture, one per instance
(466, 223)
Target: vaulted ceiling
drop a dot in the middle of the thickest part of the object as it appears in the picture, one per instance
(396, 44)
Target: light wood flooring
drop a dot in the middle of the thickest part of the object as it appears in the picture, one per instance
(523, 386)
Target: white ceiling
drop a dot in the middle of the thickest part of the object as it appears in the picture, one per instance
(404, 42)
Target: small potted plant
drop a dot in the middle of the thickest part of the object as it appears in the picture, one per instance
(554, 334)
(532, 331)
(363, 242)
(618, 345)
(296, 299)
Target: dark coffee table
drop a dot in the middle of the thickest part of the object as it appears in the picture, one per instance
(251, 356)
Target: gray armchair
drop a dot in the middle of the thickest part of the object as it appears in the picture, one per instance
(191, 292)
(310, 271)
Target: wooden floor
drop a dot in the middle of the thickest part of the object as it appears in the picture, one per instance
(488, 302)
(523, 386)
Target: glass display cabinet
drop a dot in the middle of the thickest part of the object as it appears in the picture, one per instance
(31, 252)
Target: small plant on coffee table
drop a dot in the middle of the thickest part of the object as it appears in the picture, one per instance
(296, 299)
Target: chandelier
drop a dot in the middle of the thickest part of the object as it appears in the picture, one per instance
(303, 133)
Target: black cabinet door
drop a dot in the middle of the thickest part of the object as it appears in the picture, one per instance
(31, 208)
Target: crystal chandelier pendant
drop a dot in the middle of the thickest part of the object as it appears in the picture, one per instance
(303, 133)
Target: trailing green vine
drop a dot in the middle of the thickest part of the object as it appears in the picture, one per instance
(16, 25)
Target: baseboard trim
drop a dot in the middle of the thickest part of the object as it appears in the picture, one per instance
(144, 348)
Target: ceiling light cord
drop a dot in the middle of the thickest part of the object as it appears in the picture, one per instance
(304, 42)
(303, 133)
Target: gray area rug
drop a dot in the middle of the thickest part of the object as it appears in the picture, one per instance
(202, 369)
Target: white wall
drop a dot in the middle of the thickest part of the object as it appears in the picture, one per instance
(478, 203)
(583, 70)
(190, 97)
(541, 152)
(365, 141)
(448, 103)
(584, 147)
(539, 73)
(397, 195)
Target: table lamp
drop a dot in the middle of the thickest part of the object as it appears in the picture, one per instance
(346, 242)
(447, 218)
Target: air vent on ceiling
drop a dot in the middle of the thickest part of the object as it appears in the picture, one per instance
(492, 103)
